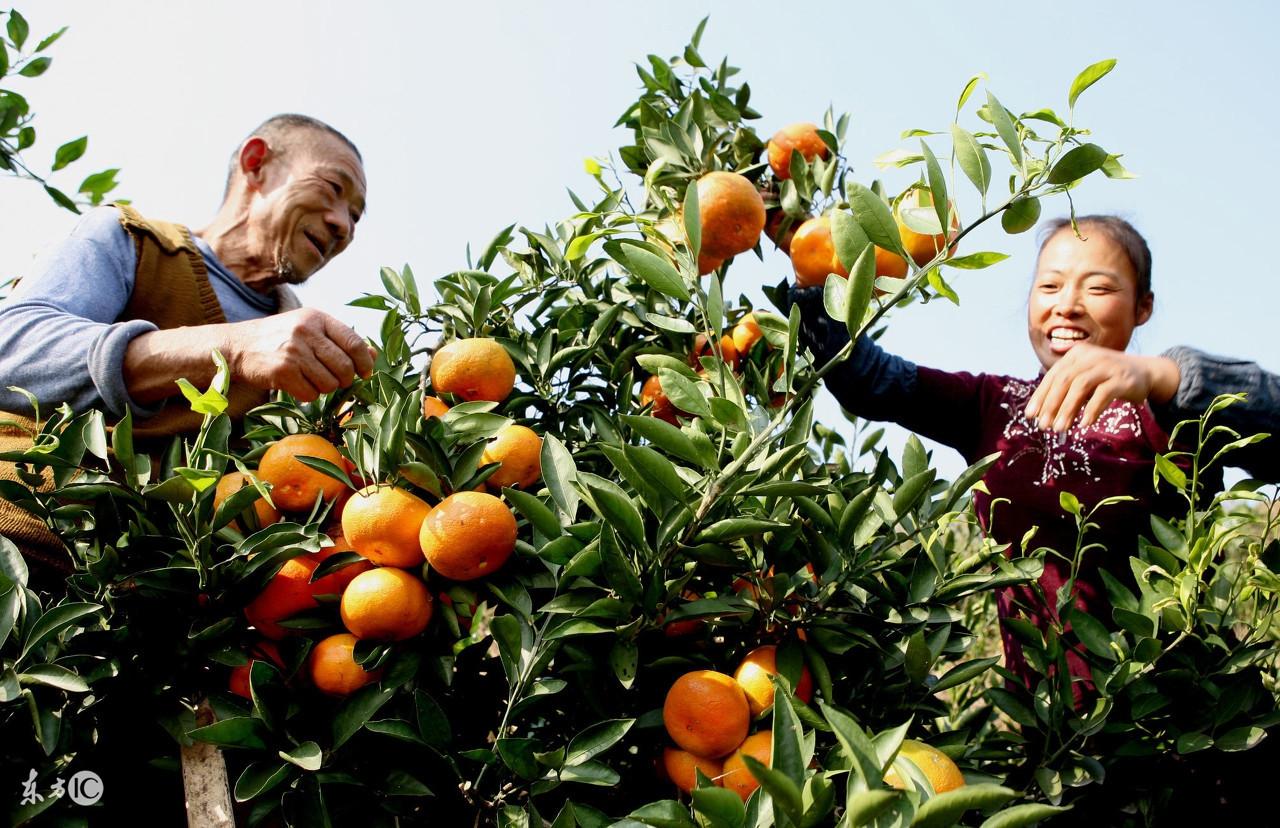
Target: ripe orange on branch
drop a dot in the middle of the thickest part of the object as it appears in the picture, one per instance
(286, 594)
(732, 214)
(753, 676)
(232, 482)
(702, 348)
(921, 247)
(336, 582)
(813, 253)
(682, 767)
(382, 522)
(663, 408)
(706, 713)
(333, 668)
(474, 369)
(295, 485)
(433, 407)
(469, 535)
(262, 651)
(937, 767)
(746, 334)
(737, 777)
(519, 449)
(386, 604)
(802, 138)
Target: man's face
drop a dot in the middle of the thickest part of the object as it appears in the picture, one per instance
(311, 198)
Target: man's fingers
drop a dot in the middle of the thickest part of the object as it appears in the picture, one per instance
(295, 384)
(336, 360)
(346, 338)
(320, 377)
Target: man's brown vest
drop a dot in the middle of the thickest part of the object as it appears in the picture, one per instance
(171, 290)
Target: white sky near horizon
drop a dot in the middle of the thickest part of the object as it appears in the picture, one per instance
(473, 116)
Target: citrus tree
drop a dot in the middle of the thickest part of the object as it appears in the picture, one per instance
(578, 553)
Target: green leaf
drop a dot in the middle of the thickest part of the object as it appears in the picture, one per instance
(665, 436)
(972, 157)
(18, 29)
(357, 710)
(52, 675)
(596, 739)
(579, 246)
(937, 186)
(1092, 634)
(535, 511)
(874, 216)
(693, 223)
(69, 152)
(433, 722)
(1241, 738)
(260, 777)
(1089, 77)
(618, 568)
(51, 39)
(850, 241)
(617, 508)
(35, 68)
(963, 672)
(969, 86)
(785, 792)
(1077, 163)
(866, 771)
(1005, 128)
(307, 756)
(1193, 742)
(724, 808)
(946, 808)
(591, 773)
(624, 657)
(236, 732)
(976, 261)
(53, 622)
(12, 564)
(862, 283)
(1020, 815)
(654, 270)
(734, 528)
(684, 393)
(558, 474)
(666, 813)
(1021, 215)
(786, 752)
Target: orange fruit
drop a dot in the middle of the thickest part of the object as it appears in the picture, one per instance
(802, 138)
(890, 264)
(336, 582)
(706, 713)
(701, 348)
(663, 409)
(681, 768)
(737, 778)
(381, 522)
(813, 253)
(232, 482)
(333, 667)
(433, 407)
(922, 247)
(473, 369)
(781, 228)
(386, 604)
(262, 651)
(676, 629)
(753, 676)
(746, 334)
(707, 264)
(937, 767)
(519, 449)
(732, 214)
(285, 595)
(295, 486)
(469, 535)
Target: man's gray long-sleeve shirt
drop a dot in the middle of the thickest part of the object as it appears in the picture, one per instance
(59, 334)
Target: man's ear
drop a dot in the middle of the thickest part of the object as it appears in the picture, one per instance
(253, 158)
(1145, 306)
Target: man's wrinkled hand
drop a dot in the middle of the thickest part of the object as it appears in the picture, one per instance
(304, 352)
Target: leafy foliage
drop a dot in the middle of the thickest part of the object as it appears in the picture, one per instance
(536, 698)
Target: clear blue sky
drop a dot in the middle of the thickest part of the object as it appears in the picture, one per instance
(472, 116)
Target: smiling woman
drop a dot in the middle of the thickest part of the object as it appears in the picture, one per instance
(1091, 291)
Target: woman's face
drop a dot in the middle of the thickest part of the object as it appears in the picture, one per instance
(1084, 291)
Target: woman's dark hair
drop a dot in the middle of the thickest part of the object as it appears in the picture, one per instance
(1119, 231)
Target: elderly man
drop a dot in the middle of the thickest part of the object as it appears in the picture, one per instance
(116, 313)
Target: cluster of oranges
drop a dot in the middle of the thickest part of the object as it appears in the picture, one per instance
(467, 535)
(708, 715)
(735, 346)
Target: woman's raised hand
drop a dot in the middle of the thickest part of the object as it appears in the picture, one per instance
(1088, 378)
